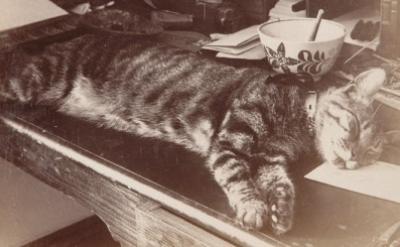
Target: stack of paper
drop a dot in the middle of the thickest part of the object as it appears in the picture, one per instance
(244, 44)
(284, 9)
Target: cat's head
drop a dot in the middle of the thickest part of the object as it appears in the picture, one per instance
(348, 134)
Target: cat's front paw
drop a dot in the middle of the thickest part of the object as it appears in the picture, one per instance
(344, 164)
(251, 214)
(281, 208)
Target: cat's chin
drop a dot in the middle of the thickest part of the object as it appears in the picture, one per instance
(351, 165)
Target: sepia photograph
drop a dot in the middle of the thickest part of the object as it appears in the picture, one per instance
(200, 123)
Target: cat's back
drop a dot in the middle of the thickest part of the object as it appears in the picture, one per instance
(145, 78)
(155, 75)
(110, 57)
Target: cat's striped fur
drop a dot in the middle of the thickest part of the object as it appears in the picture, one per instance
(248, 126)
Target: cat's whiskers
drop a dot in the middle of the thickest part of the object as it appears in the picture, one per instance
(376, 110)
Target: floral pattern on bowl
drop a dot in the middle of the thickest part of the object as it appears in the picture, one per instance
(310, 63)
(306, 61)
(278, 59)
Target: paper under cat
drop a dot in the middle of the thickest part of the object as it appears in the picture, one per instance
(248, 125)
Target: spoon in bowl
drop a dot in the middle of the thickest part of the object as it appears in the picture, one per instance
(317, 23)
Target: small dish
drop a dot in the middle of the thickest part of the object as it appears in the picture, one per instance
(289, 51)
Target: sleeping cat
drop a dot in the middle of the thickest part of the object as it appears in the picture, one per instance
(251, 126)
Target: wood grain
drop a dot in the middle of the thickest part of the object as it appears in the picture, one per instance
(113, 203)
(117, 205)
(158, 227)
(112, 192)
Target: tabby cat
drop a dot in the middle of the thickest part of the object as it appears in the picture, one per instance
(249, 125)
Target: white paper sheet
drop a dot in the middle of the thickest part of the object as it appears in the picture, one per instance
(381, 180)
(233, 50)
(17, 13)
(237, 39)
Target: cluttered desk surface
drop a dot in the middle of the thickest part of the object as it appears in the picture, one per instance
(325, 215)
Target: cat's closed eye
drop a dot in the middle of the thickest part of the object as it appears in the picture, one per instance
(366, 125)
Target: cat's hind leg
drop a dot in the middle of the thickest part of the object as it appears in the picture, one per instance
(278, 192)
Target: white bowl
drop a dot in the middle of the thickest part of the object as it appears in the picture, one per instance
(289, 51)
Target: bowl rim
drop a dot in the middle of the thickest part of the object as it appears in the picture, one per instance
(341, 26)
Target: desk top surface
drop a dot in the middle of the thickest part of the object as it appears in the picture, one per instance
(325, 216)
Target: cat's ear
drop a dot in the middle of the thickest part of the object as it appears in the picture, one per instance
(369, 82)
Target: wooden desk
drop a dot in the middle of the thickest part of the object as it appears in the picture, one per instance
(157, 194)
(137, 186)
(151, 193)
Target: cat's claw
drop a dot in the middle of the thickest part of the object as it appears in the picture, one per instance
(251, 214)
(281, 204)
